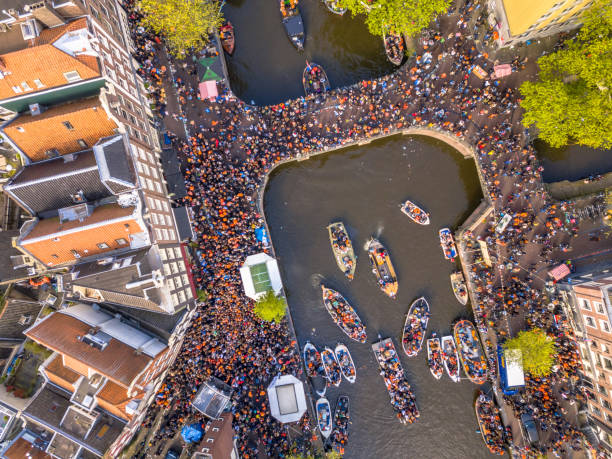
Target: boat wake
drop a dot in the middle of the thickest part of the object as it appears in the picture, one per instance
(316, 280)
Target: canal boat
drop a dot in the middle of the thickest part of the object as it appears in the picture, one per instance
(490, 424)
(343, 314)
(470, 351)
(312, 361)
(402, 398)
(382, 267)
(339, 436)
(314, 79)
(415, 327)
(343, 356)
(342, 248)
(394, 47)
(292, 20)
(459, 287)
(226, 34)
(448, 244)
(332, 5)
(451, 359)
(324, 417)
(434, 357)
(415, 213)
(332, 368)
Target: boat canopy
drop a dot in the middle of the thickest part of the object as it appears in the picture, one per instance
(294, 25)
(287, 398)
(510, 370)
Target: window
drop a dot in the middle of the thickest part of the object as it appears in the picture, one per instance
(604, 325)
(171, 285)
(39, 84)
(162, 254)
(102, 245)
(75, 254)
(178, 282)
(95, 13)
(599, 307)
(25, 86)
(72, 76)
(182, 296)
(590, 322)
(121, 241)
(165, 233)
(17, 89)
(29, 29)
(605, 403)
(82, 143)
(155, 219)
(68, 125)
(177, 253)
(585, 304)
(608, 364)
(602, 389)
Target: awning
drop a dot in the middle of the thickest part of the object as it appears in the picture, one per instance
(502, 70)
(559, 272)
(479, 72)
(208, 90)
(287, 398)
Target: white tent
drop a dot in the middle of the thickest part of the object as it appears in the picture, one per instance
(287, 398)
(259, 274)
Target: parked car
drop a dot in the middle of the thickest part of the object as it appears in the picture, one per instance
(529, 428)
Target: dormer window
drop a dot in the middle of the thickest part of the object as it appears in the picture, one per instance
(72, 76)
(29, 29)
(75, 254)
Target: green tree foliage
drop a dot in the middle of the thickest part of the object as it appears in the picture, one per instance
(572, 100)
(538, 351)
(202, 295)
(399, 16)
(270, 307)
(185, 24)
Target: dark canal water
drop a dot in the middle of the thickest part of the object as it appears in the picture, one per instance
(363, 186)
(267, 69)
(572, 162)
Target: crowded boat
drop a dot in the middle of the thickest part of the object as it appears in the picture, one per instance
(394, 47)
(415, 213)
(334, 7)
(451, 359)
(490, 424)
(459, 287)
(343, 356)
(382, 267)
(226, 35)
(331, 366)
(324, 417)
(402, 398)
(415, 327)
(340, 434)
(312, 361)
(343, 314)
(434, 357)
(342, 248)
(292, 20)
(314, 79)
(448, 244)
(470, 351)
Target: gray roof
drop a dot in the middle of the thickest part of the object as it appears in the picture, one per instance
(183, 223)
(115, 163)
(17, 303)
(49, 407)
(172, 173)
(157, 323)
(7, 272)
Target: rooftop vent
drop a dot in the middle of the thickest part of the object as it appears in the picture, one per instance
(99, 340)
(79, 212)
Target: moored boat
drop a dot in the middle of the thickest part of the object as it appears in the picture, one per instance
(394, 47)
(332, 368)
(228, 39)
(402, 398)
(324, 417)
(339, 437)
(344, 315)
(343, 356)
(434, 357)
(314, 79)
(382, 267)
(448, 244)
(470, 351)
(415, 213)
(292, 20)
(415, 327)
(451, 359)
(312, 361)
(343, 249)
(459, 287)
(332, 5)
(490, 423)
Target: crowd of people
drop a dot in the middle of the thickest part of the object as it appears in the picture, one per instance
(232, 146)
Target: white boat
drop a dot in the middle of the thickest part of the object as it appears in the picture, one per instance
(415, 213)
(451, 358)
(459, 287)
(415, 327)
(434, 357)
(447, 242)
(312, 361)
(343, 356)
(332, 368)
(324, 417)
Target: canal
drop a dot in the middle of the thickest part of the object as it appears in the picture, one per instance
(363, 186)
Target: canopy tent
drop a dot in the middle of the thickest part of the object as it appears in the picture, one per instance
(212, 69)
(259, 274)
(212, 398)
(287, 398)
(192, 433)
(502, 70)
(208, 90)
(559, 272)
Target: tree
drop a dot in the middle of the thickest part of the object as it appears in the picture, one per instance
(185, 24)
(537, 350)
(202, 295)
(399, 16)
(572, 100)
(270, 307)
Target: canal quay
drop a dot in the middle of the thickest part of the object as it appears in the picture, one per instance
(363, 186)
